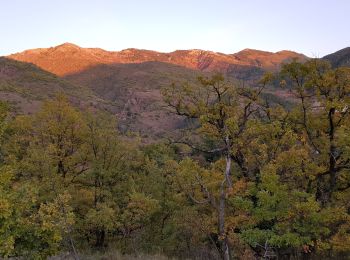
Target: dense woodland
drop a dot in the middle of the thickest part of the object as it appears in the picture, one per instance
(247, 179)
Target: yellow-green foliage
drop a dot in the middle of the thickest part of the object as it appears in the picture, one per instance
(69, 182)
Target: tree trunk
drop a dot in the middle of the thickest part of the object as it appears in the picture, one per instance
(326, 187)
(225, 250)
(225, 247)
(228, 163)
(100, 238)
(228, 170)
(332, 153)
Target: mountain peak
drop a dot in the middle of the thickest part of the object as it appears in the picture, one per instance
(286, 52)
(253, 52)
(67, 45)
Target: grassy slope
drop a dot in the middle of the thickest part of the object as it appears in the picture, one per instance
(25, 86)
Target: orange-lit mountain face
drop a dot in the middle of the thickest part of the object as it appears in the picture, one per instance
(69, 59)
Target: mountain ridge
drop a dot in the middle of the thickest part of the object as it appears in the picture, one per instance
(68, 58)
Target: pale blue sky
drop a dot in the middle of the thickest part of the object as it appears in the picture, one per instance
(314, 27)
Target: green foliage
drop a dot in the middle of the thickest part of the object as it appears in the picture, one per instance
(256, 178)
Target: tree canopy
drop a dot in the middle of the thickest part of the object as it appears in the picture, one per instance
(249, 178)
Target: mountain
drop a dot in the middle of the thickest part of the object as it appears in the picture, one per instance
(127, 83)
(69, 59)
(340, 58)
(267, 60)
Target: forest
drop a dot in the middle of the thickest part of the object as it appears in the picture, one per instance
(247, 178)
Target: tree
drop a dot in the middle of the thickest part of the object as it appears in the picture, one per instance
(322, 116)
(299, 206)
(224, 113)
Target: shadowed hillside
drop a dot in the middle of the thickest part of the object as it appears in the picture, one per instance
(131, 91)
(340, 58)
(25, 85)
(134, 90)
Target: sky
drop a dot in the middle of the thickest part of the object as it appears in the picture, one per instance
(312, 27)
